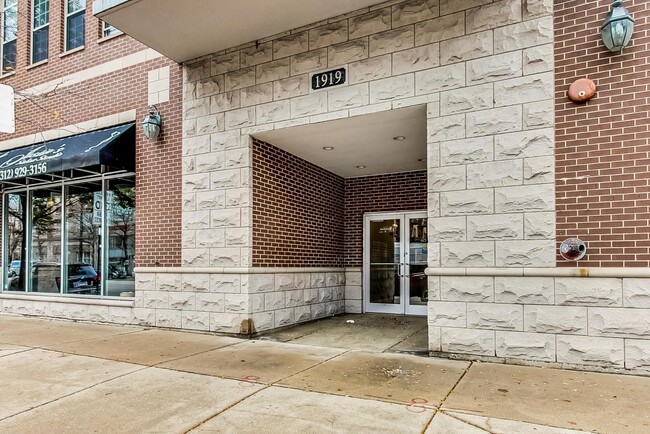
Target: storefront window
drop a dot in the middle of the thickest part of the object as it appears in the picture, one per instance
(78, 216)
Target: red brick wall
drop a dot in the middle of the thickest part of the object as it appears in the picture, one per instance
(381, 193)
(602, 147)
(297, 211)
(158, 163)
(93, 53)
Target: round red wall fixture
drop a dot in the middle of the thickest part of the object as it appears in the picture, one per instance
(582, 90)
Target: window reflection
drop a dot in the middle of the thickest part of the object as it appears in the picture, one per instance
(15, 205)
(120, 218)
(46, 240)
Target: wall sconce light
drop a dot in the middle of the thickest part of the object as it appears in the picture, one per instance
(618, 27)
(152, 123)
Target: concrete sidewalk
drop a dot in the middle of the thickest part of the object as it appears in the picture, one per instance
(73, 377)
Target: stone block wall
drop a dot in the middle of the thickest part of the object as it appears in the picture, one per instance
(240, 301)
(600, 322)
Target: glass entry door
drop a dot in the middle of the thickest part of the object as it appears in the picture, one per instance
(395, 257)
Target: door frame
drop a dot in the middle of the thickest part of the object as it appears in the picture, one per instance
(403, 308)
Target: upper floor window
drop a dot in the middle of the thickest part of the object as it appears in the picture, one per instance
(75, 24)
(9, 31)
(108, 30)
(40, 29)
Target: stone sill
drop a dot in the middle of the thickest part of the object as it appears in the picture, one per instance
(127, 302)
(619, 272)
(221, 270)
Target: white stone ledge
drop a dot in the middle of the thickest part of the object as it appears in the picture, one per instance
(222, 270)
(619, 272)
(128, 302)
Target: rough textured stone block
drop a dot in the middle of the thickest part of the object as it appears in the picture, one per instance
(168, 282)
(587, 350)
(636, 292)
(447, 228)
(291, 87)
(225, 283)
(449, 314)
(309, 105)
(466, 99)
(328, 34)
(538, 59)
(308, 62)
(446, 128)
(439, 29)
(463, 288)
(637, 354)
(529, 253)
(447, 178)
(240, 118)
(225, 63)
(195, 320)
(495, 227)
(240, 79)
(467, 202)
(210, 124)
(229, 323)
(466, 47)
(274, 70)
(535, 8)
(210, 302)
(451, 6)
(588, 291)
(467, 254)
(347, 52)
(524, 290)
(257, 54)
(539, 170)
(538, 115)
(464, 151)
(370, 69)
(439, 79)
(524, 144)
(391, 41)
(493, 15)
(556, 319)
(466, 341)
(416, 59)
(195, 282)
(255, 95)
(494, 68)
(348, 97)
(494, 174)
(525, 198)
(258, 283)
(523, 35)
(495, 316)
(392, 88)
(372, 22)
(168, 318)
(209, 86)
(623, 322)
(524, 89)
(291, 44)
(273, 112)
(529, 346)
(413, 11)
(494, 121)
(182, 300)
(539, 225)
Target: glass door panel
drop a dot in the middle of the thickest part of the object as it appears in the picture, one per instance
(83, 238)
(416, 263)
(384, 278)
(395, 260)
(120, 222)
(45, 247)
(16, 241)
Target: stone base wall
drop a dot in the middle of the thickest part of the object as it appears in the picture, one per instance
(353, 290)
(237, 301)
(590, 321)
(78, 309)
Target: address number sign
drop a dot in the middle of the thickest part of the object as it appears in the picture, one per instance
(322, 80)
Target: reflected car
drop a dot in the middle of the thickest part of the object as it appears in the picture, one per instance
(14, 268)
(82, 279)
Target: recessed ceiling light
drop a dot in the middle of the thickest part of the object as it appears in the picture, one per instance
(361, 167)
(421, 159)
(399, 138)
(328, 148)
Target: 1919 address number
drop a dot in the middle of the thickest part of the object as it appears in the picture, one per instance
(322, 80)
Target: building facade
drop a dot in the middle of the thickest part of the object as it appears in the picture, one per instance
(415, 157)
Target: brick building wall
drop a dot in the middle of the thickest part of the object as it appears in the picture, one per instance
(297, 211)
(381, 193)
(602, 147)
(109, 89)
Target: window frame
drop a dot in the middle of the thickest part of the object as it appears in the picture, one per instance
(34, 29)
(106, 27)
(67, 16)
(3, 42)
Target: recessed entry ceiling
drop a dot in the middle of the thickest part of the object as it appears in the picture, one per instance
(367, 140)
(187, 29)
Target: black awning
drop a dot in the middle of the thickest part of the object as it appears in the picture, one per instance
(114, 147)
